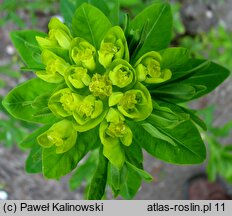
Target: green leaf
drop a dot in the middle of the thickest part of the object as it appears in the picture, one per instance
(134, 154)
(31, 139)
(154, 132)
(28, 48)
(178, 92)
(126, 181)
(19, 101)
(167, 115)
(143, 174)
(114, 179)
(101, 5)
(91, 24)
(158, 21)
(98, 183)
(199, 78)
(185, 71)
(131, 183)
(84, 172)
(195, 118)
(58, 165)
(68, 7)
(127, 3)
(173, 58)
(114, 8)
(34, 160)
(109, 7)
(211, 77)
(189, 148)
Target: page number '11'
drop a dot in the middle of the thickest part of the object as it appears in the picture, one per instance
(220, 207)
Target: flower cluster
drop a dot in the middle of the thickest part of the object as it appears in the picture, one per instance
(96, 87)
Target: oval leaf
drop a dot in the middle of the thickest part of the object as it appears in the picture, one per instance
(174, 57)
(131, 183)
(31, 139)
(34, 160)
(90, 23)
(19, 101)
(98, 183)
(157, 134)
(189, 148)
(28, 48)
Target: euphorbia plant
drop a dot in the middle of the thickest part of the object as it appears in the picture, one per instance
(111, 89)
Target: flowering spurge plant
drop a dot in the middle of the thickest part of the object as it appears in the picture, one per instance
(104, 92)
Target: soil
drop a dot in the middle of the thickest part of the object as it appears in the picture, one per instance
(199, 188)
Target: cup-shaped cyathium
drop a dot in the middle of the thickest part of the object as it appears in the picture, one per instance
(88, 113)
(55, 67)
(62, 135)
(149, 70)
(77, 77)
(63, 102)
(58, 36)
(135, 104)
(113, 46)
(83, 53)
(122, 74)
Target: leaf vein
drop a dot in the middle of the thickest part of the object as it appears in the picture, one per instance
(156, 21)
(89, 26)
